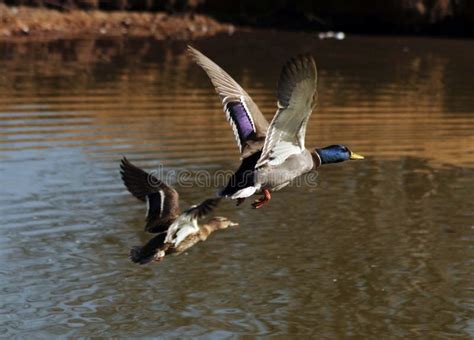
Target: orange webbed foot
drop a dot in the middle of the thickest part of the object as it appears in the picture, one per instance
(263, 200)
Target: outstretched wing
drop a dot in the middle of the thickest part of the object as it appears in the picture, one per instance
(186, 224)
(162, 200)
(297, 98)
(201, 210)
(248, 123)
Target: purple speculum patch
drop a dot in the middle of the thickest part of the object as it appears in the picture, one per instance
(241, 118)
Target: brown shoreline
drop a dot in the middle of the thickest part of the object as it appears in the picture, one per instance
(40, 23)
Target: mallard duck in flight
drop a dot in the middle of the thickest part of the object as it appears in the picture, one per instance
(177, 231)
(272, 154)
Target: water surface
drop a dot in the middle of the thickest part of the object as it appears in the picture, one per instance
(379, 248)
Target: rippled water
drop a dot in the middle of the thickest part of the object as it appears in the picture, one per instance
(382, 247)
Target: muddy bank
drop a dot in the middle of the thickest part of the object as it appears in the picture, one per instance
(414, 17)
(30, 22)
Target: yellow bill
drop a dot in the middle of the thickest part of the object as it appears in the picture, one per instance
(354, 156)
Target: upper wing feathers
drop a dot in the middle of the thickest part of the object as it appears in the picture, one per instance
(297, 98)
(248, 123)
(202, 209)
(137, 180)
(162, 200)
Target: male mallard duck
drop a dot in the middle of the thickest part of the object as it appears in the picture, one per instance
(272, 154)
(176, 232)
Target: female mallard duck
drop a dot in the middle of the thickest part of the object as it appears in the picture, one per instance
(176, 232)
(272, 154)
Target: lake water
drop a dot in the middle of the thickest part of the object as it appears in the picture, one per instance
(380, 248)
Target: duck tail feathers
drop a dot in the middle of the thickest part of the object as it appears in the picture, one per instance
(154, 249)
(137, 255)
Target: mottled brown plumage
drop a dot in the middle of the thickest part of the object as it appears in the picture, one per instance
(169, 248)
(176, 231)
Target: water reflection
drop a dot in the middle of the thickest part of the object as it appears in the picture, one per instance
(380, 247)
